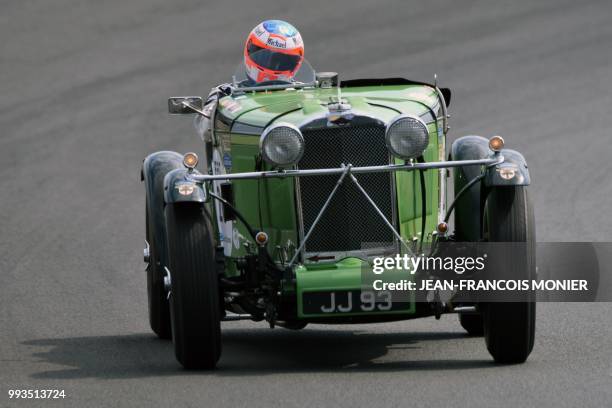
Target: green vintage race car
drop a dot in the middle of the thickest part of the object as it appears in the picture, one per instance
(299, 186)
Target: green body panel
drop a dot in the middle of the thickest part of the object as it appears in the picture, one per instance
(261, 108)
(275, 212)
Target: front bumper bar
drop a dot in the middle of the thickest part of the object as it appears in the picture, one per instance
(343, 172)
(492, 161)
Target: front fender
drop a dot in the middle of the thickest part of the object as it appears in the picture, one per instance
(512, 172)
(477, 147)
(154, 168)
(179, 188)
(468, 208)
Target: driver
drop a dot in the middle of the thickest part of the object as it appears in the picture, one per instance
(274, 51)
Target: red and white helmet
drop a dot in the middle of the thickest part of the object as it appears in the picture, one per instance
(274, 51)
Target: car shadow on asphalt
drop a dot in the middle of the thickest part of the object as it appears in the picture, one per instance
(249, 352)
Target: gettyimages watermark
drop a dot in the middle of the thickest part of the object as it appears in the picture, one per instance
(495, 272)
(413, 263)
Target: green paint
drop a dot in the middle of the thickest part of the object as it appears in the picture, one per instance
(275, 210)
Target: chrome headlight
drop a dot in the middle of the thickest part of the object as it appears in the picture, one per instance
(407, 137)
(282, 144)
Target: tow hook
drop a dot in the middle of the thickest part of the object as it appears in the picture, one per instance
(167, 281)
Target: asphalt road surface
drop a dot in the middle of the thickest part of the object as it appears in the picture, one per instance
(83, 88)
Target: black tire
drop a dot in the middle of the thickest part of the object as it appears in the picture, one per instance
(194, 300)
(472, 323)
(509, 328)
(159, 308)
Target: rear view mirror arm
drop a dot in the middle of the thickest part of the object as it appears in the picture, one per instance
(195, 109)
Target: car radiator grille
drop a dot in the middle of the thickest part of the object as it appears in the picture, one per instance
(350, 223)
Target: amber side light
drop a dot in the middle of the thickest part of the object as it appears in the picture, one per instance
(442, 228)
(190, 160)
(496, 143)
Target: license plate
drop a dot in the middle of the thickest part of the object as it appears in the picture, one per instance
(351, 301)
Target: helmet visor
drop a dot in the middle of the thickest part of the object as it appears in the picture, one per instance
(273, 60)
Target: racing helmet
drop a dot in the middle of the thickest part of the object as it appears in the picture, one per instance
(273, 51)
